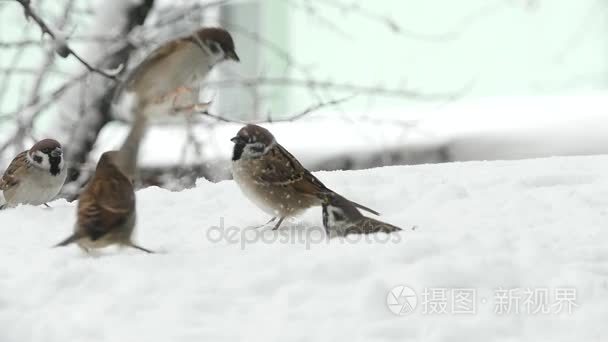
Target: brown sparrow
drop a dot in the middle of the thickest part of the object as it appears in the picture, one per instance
(174, 66)
(341, 218)
(106, 209)
(35, 176)
(158, 85)
(272, 178)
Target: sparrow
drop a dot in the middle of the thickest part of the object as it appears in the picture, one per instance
(341, 218)
(167, 73)
(272, 178)
(35, 176)
(106, 212)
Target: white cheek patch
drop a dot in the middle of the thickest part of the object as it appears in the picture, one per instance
(270, 146)
(40, 160)
(335, 216)
(216, 58)
(255, 150)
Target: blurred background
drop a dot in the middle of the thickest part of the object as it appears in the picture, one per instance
(343, 84)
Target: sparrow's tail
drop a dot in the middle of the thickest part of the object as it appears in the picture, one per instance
(362, 207)
(337, 197)
(73, 238)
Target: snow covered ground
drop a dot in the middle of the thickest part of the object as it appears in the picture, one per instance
(485, 227)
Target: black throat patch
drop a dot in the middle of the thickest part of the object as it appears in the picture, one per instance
(238, 151)
(55, 161)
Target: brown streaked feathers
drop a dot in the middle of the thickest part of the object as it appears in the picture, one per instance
(16, 167)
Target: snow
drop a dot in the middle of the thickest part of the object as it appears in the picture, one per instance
(479, 225)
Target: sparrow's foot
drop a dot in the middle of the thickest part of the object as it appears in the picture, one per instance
(131, 244)
(265, 224)
(84, 249)
(278, 223)
(193, 108)
(173, 95)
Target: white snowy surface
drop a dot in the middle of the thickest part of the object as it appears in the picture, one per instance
(479, 225)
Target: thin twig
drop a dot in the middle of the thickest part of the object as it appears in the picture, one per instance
(31, 71)
(6, 81)
(355, 7)
(335, 86)
(62, 48)
(36, 42)
(317, 107)
(307, 111)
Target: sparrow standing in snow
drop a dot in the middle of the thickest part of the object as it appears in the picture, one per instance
(35, 176)
(272, 178)
(106, 209)
(341, 218)
(175, 66)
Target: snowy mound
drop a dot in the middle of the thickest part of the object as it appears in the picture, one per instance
(500, 251)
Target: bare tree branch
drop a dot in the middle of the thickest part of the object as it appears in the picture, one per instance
(30, 71)
(317, 107)
(36, 106)
(8, 77)
(335, 86)
(309, 110)
(62, 48)
(355, 7)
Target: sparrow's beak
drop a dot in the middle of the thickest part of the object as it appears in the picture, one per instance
(236, 140)
(56, 153)
(232, 55)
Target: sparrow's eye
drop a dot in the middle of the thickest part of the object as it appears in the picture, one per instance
(37, 159)
(214, 46)
(259, 148)
(46, 150)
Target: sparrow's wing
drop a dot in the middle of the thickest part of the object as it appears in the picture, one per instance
(154, 58)
(282, 168)
(105, 205)
(150, 79)
(14, 171)
(368, 225)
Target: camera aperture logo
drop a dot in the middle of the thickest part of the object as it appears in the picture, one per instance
(401, 300)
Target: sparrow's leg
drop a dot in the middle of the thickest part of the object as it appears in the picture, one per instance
(131, 244)
(173, 94)
(265, 224)
(84, 249)
(47, 205)
(190, 108)
(278, 223)
(196, 107)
